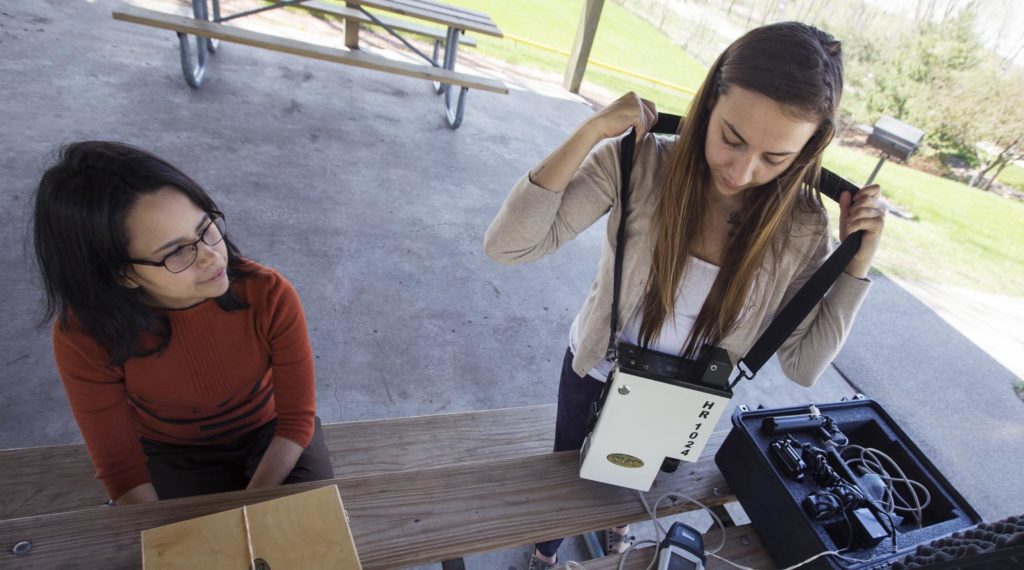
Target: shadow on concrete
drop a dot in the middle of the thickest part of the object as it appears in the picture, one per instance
(952, 398)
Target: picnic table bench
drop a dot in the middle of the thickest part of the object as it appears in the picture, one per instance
(58, 478)
(417, 490)
(208, 28)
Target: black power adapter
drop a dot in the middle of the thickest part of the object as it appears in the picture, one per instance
(867, 529)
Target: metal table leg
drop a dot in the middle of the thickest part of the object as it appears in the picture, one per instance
(453, 112)
(438, 88)
(195, 72)
(212, 44)
(594, 545)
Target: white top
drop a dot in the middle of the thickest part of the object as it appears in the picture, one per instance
(534, 223)
(693, 291)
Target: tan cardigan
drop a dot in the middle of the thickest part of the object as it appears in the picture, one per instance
(534, 222)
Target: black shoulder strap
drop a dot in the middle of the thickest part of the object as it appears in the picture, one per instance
(832, 185)
(829, 184)
(666, 124)
(626, 147)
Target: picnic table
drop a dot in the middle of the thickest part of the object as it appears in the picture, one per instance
(208, 27)
(417, 490)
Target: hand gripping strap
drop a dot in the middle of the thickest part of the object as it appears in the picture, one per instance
(831, 185)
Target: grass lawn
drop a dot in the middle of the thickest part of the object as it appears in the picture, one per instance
(622, 40)
(962, 237)
(1013, 175)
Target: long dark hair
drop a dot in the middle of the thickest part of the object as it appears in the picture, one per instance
(797, 66)
(81, 246)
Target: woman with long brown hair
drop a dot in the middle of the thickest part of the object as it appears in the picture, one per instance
(723, 225)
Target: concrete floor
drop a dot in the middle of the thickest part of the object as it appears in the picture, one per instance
(349, 182)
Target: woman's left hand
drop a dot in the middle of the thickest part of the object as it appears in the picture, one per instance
(864, 212)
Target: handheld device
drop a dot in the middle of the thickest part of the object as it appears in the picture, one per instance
(682, 549)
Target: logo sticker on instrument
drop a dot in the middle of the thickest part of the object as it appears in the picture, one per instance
(624, 460)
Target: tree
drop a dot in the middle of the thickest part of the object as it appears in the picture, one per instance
(999, 123)
(1007, 156)
(983, 109)
(903, 74)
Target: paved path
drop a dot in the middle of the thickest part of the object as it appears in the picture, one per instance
(995, 323)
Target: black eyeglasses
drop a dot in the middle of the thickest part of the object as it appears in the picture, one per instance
(184, 256)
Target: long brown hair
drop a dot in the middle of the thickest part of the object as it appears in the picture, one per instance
(797, 66)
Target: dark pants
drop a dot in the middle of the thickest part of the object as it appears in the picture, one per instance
(184, 470)
(576, 395)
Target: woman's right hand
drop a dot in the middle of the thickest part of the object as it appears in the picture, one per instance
(625, 112)
(144, 493)
(555, 171)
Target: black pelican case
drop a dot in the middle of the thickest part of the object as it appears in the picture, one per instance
(773, 500)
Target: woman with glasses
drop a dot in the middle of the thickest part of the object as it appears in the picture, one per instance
(188, 367)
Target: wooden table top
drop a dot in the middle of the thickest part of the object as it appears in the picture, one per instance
(469, 20)
(397, 519)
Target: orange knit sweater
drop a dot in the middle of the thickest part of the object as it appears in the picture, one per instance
(222, 375)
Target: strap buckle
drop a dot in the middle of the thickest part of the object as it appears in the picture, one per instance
(612, 354)
(742, 371)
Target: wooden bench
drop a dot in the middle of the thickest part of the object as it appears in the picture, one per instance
(157, 19)
(451, 16)
(743, 546)
(442, 73)
(398, 519)
(59, 478)
(434, 34)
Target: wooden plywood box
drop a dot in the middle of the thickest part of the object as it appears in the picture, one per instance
(302, 531)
